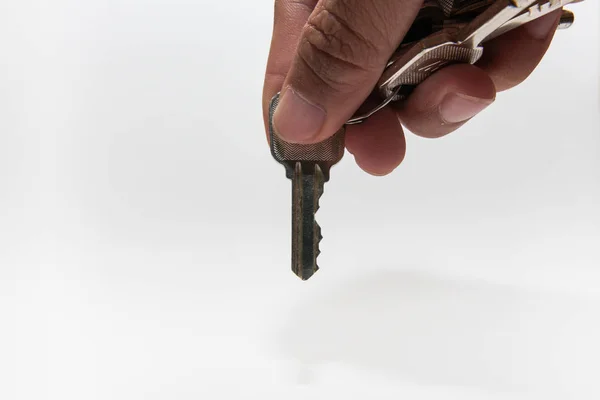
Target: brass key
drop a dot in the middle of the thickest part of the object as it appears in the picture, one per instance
(307, 166)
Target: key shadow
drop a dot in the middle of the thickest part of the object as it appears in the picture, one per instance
(427, 330)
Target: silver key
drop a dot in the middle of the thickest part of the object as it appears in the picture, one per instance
(460, 42)
(539, 9)
(308, 167)
(456, 34)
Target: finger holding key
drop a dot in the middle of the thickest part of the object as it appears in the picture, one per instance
(327, 55)
(342, 50)
(452, 96)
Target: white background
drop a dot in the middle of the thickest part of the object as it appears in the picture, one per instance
(144, 227)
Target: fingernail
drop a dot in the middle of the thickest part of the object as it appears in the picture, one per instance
(296, 119)
(542, 27)
(458, 107)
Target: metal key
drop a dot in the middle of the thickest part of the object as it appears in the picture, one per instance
(460, 42)
(307, 166)
(454, 32)
(539, 9)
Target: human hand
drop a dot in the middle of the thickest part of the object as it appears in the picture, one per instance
(327, 55)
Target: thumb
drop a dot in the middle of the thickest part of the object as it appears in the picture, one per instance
(344, 47)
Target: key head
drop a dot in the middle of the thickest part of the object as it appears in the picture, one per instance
(457, 7)
(326, 153)
(414, 63)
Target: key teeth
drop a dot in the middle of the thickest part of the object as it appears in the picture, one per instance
(319, 238)
(319, 184)
(307, 274)
(318, 233)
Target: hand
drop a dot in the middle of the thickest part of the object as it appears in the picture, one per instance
(327, 55)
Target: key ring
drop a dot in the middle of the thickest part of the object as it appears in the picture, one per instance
(363, 117)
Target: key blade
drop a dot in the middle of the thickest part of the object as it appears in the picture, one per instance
(535, 11)
(494, 17)
(307, 188)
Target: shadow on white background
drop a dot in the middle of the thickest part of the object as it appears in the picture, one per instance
(411, 327)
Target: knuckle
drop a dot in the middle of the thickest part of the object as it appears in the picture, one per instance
(286, 8)
(336, 46)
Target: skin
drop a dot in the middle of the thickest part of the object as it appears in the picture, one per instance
(332, 52)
